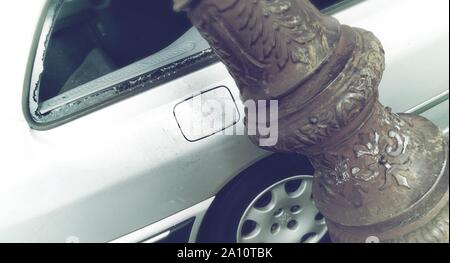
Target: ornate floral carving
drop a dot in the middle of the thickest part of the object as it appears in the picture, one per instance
(276, 35)
(333, 174)
(317, 129)
(381, 158)
(264, 34)
(357, 97)
(361, 90)
(383, 161)
(350, 105)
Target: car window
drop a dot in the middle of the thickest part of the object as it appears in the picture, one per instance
(323, 4)
(90, 53)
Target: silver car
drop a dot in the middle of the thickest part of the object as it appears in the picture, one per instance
(102, 147)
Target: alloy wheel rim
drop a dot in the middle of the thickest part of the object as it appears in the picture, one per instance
(283, 213)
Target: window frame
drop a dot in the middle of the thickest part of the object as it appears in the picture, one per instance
(71, 110)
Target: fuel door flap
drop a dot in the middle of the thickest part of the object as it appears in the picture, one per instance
(211, 112)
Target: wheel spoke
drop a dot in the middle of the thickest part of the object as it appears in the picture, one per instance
(303, 193)
(252, 239)
(321, 222)
(258, 215)
(254, 236)
(309, 237)
(279, 193)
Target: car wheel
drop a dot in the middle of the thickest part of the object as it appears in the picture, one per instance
(271, 203)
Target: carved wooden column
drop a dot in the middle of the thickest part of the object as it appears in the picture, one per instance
(379, 175)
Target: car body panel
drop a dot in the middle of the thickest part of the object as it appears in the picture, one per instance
(127, 166)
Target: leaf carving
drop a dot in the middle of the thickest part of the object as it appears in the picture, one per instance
(277, 33)
(401, 180)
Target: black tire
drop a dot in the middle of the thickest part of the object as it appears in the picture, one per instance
(222, 219)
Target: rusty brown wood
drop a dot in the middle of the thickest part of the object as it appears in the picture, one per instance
(378, 174)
